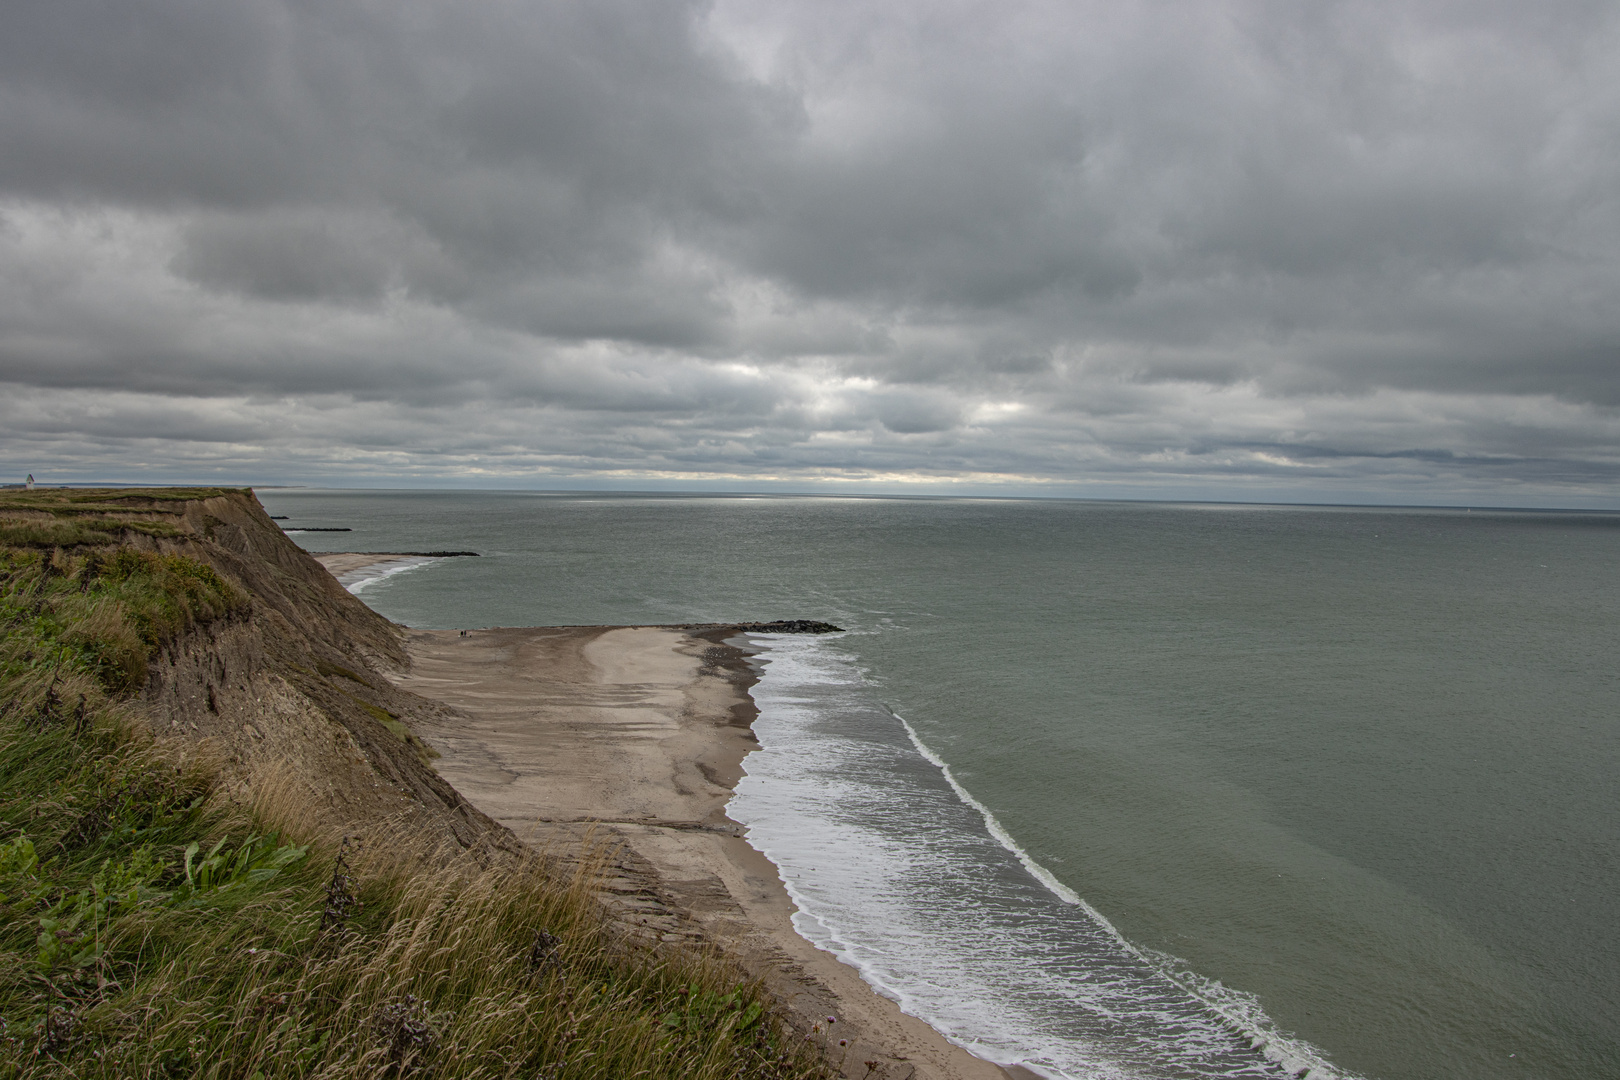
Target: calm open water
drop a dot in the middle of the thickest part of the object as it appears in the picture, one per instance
(1339, 782)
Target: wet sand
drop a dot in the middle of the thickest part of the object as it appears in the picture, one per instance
(637, 735)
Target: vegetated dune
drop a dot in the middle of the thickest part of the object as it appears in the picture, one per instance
(193, 716)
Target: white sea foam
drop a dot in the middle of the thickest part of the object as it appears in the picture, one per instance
(1242, 1012)
(895, 868)
(366, 576)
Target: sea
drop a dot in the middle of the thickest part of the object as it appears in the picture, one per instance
(1131, 789)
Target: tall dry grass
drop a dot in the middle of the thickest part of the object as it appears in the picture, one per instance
(149, 929)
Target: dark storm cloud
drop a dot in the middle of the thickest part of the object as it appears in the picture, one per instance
(1352, 247)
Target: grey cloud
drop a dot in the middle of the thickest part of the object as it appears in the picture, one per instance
(653, 306)
(289, 257)
(912, 413)
(1374, 242)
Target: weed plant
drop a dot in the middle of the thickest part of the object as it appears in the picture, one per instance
(149, 929)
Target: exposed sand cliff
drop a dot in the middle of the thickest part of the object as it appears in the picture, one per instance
(293, 687)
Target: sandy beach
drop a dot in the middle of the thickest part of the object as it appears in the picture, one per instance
(637, 734)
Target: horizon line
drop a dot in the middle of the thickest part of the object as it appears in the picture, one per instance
(743, 493)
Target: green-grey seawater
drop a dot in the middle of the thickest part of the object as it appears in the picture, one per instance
(1357, 763)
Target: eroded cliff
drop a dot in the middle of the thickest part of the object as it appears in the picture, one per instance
(286, 688)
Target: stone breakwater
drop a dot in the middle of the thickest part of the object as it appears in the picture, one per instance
(783, 626)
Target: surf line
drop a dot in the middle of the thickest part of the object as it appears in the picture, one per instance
(387, 570)
(1259, 1031)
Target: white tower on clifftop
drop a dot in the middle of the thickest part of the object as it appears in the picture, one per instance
(28, 484)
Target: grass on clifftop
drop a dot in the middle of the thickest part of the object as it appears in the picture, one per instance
(150, 930)
(73, 518)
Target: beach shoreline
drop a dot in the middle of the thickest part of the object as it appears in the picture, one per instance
(355, 570)
(636, 736)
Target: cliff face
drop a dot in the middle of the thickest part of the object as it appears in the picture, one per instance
(148, 930)
(289, 692)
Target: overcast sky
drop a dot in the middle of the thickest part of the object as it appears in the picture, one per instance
(1360, 251)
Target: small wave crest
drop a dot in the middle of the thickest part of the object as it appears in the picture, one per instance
(1240, 1011)
(899, 871)
(367, 576)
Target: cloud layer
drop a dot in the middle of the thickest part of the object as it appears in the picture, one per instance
(1242, 249)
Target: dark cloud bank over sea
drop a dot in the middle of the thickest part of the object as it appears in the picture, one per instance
(1323, 251)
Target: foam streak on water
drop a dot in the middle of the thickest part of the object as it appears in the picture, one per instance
(365, 577)
(899, 872)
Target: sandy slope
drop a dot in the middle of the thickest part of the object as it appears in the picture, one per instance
(644, 730)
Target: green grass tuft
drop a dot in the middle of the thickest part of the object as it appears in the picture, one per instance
(26, 532)
(148, 929)
(326, 668)
(103, 611)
